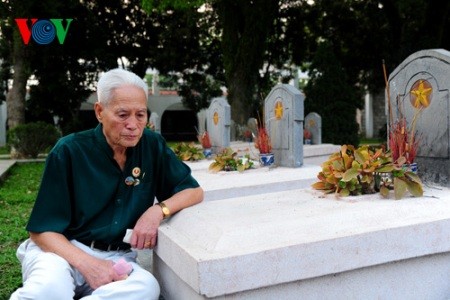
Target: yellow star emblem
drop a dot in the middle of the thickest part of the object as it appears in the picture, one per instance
(421, 94)
(278, 110)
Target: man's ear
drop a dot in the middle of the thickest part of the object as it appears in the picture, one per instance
(98, 109)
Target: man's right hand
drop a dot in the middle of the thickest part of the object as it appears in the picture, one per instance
(97, 272)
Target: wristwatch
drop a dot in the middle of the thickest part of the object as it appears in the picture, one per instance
(165, 209)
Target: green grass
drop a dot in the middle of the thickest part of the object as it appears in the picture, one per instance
(4, 150)
(373, 141)
(17, 194)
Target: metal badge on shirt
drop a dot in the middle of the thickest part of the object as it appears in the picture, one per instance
(134, 180)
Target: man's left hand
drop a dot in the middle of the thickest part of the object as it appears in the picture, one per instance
(145, 231)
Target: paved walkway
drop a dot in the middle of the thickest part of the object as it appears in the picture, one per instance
(5, 164)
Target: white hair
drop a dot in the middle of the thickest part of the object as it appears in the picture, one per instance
(114, 79)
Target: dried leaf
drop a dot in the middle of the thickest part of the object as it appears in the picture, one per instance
(215, 167)
(415, 188)
(320, 185)
(413, 177)
(401, 160)
(384, 191)
(399, 188)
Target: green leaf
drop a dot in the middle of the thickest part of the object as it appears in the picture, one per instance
(352, 186)
(360, 157)
(350, 174)
(344, 193)
(337, 165)
(385, 169)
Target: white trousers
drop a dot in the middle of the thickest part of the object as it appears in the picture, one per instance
(47, 276)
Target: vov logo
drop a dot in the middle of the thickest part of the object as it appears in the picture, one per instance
(43, 31)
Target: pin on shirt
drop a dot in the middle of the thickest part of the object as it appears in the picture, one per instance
(136, 172)
(133, 180)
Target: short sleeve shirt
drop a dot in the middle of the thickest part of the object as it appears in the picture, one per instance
(84, 194)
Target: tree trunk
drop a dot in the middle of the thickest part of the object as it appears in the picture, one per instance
(15, 99)
(239, 96)
(246, 26)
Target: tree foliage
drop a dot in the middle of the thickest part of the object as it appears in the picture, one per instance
(331, 95)
(103, 35)
(243, 28)
(247, 46)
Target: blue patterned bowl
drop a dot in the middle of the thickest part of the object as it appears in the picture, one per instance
(266, 159)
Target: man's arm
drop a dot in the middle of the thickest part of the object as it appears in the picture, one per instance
(146, 229)
(97, 272)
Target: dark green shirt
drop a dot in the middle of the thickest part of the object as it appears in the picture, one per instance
(84, 194)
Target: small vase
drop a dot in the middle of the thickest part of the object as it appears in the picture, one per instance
(266, 159)
(307, 142)
(207, 152)
(385, 179)
(411, 167)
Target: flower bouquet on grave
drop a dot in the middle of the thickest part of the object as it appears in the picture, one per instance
(228, 160)
(188, 151)
(248, 135)
(264, 146)
(307, 136)
(403, 145)
(205, 141)
(356, 171)
(403, 141)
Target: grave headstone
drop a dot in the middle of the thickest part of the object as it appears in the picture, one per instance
(201, 117)
(313, 122)
(252, 125)
(233, 130)
(283, 117)
(420, 86)
(218, 123)
(154, 119)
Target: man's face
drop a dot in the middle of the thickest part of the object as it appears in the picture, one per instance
(125, 117)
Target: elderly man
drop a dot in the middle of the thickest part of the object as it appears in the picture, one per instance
(96, 185)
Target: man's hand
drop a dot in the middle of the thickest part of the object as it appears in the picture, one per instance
(98, 272)
(145, 232)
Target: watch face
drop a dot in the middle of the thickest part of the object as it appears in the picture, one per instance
(165, 211)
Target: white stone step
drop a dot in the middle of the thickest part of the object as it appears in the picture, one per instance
(298, 243)
(260, 180)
